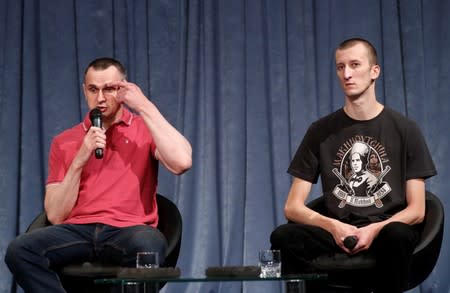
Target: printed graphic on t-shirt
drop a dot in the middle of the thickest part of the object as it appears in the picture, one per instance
(361, 166)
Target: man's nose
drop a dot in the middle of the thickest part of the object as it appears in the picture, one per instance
(347, 72)
(100, 96)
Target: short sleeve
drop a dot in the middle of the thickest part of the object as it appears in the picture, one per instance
(418, 158)
(305, 164)
(56, 169)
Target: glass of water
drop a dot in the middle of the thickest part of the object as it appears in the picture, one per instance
(147, 260)
(270, 263)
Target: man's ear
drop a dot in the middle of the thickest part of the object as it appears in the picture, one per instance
(83, 87)
(375, 71)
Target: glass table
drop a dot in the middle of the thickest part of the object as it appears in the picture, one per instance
(294, 283)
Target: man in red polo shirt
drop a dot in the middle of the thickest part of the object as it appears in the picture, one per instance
(102, 208)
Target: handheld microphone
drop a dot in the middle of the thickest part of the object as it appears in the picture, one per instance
(96, 120)
(350, 242)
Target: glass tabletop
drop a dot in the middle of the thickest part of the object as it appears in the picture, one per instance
(186, 279)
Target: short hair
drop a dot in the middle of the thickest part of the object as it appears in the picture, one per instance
(373, 58)
(104, 63)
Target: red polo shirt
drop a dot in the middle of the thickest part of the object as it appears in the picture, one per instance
(118, 190)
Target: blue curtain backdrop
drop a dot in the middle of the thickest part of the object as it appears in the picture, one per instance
(242, 79)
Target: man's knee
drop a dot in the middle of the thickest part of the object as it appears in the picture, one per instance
(397, 234)
(13, 253)
(396, 230)
(148, 240)
(280, 236)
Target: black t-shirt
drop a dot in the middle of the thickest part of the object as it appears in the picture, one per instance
(363, 164)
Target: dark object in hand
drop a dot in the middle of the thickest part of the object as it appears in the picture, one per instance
(149, 273)
(233, 271)
(350, 242)
(96, 120)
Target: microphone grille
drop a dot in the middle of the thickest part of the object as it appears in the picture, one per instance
(95, 114)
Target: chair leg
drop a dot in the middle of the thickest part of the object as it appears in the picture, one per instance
(83, 285)
(295, 286)
(136, 287)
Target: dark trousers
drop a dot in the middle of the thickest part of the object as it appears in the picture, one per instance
(393, 248)
(34, 257)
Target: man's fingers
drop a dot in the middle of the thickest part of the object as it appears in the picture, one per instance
(119, 83)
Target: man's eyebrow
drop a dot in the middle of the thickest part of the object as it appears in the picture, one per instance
(91, 85)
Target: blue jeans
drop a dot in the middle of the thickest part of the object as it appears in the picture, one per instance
(34, 257)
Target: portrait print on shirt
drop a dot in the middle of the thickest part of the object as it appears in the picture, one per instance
(360, 168)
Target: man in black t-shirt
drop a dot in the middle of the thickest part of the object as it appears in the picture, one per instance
(373, 163)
